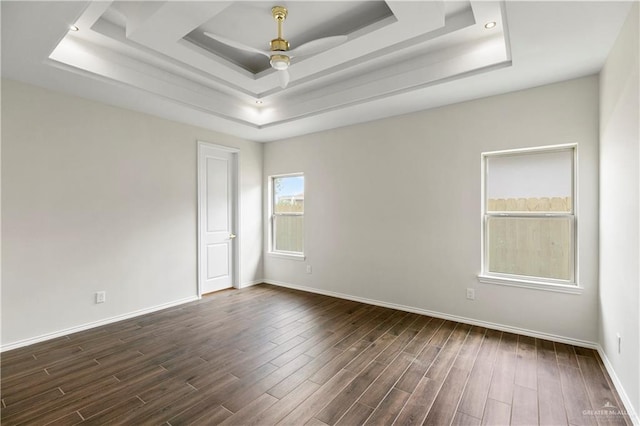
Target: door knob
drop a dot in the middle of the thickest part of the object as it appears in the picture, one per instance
(232, 236)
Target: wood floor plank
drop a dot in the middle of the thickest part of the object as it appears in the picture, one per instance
(70, 402)
(370, 353)
(236, 400)
(469, 352)
(303, 374)
(30, 363)
(319, 399)
(330, 320)
(192, 407)
(256, 406)
(336, 364)
(163, 405)
(417, 405)
(357, 415)
(384, 326)
(462, 419)
(162, 389)
(566, 354)
(43, 382)
(386, 381)
(70, 419)
(372, 323)
(424, 336)
(15, 384)
(525, 373)
(426, 357)
(150, 412)
(397, 346)
(429, 355)
(448, 397)
(303, 328)
(550, 400)
(389, 408)
(575, 395)
(260, 358)
(502, 381)
(348, 327)
(601, 396)
(285, 405)
(618, 403)
(301, 348)
(585, 352)
(212, 415)
(444, 406)
(349, 395)
(35, 400)
(64, 368)
(447, 356)
(412, 375)
(266, 355)
(109, 414)
(496, 413)
(524, 410)
(422, 399)
(477, 389)
(315, 422)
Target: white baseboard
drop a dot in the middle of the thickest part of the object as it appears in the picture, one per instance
(250, 283)
(618, 384)
(456, 318)
(66, 331)
(531, 333)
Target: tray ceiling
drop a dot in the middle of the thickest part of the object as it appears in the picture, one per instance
(157, 53)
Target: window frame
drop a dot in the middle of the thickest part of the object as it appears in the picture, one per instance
(543, 283)
(272, 219)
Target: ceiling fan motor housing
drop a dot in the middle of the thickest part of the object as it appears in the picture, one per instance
(279, 44)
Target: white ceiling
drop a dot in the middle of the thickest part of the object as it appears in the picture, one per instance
(400, 56)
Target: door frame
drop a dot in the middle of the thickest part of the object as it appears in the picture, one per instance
(235, 206)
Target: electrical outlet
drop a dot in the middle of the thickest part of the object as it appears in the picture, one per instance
(101, 296)
(619, 341)
(471, 294)
(308, 269)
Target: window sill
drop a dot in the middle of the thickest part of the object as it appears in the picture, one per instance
(290, 256)
(536, 285)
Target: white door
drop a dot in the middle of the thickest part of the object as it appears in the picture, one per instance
(217, 177)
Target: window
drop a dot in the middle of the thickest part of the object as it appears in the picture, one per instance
(529, 218)
(287, 214)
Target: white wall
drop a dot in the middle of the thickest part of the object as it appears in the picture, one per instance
(101, 198)
(393, 207)
(620, 207)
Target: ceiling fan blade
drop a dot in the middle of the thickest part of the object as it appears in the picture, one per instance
(317, 46)
(283, 76)
(236, 45)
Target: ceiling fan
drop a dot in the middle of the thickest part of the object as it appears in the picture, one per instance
(279, 55)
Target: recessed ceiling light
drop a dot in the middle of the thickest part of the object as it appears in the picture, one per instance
(490, 25)
(259, 102)
(73, 28)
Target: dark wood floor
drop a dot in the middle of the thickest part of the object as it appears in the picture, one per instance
(267, 355)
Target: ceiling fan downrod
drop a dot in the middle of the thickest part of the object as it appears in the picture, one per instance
(278, 60)
(279, 44)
